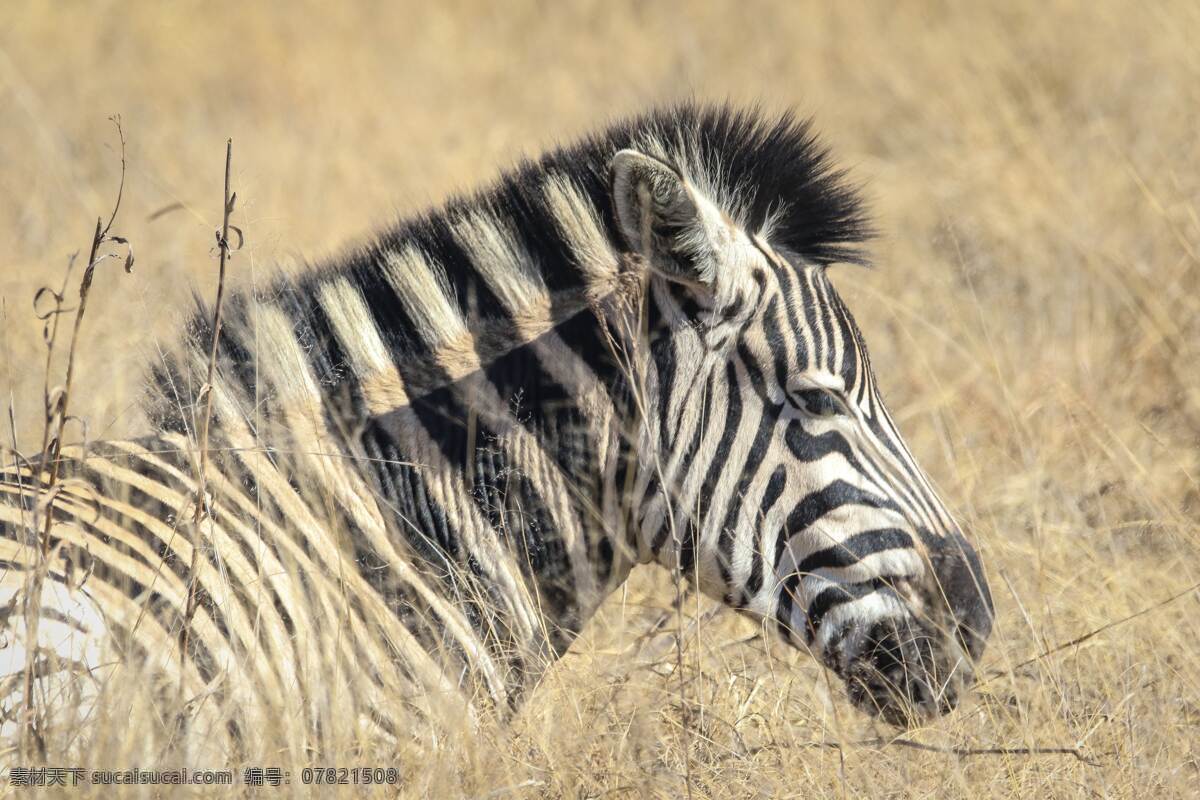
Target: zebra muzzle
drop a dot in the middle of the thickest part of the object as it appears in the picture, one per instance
(907, 671)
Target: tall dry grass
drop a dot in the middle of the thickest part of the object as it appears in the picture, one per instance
(1034, 320)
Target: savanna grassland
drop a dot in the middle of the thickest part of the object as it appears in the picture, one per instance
(1034, 319)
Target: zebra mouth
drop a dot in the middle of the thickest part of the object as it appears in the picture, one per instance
(904, 672)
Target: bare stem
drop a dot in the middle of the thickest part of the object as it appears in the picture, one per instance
(200, 511)
(56, 408)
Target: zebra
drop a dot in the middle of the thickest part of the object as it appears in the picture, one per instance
(454, 442)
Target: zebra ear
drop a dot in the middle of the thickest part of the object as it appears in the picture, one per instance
(664, 219)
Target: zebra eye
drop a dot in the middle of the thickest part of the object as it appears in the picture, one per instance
(816, 402)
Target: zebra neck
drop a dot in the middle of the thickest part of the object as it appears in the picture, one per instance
(476, 471)
(510, 484)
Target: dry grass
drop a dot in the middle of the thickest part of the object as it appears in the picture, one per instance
(1035, 321)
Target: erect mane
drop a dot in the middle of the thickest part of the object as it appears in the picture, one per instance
(448, 289)
(768, 172)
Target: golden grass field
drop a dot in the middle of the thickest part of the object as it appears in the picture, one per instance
(1034, 318)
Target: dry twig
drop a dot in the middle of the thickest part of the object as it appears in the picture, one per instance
(998, 673)
(56, 404)
(201, 509)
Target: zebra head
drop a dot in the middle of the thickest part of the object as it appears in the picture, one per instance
(779, 482)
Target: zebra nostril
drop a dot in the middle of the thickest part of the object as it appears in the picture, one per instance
(898, 676)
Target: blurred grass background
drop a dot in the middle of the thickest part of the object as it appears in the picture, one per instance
(1034, 320)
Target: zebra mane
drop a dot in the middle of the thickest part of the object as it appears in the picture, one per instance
(769, 173)
(444, 292)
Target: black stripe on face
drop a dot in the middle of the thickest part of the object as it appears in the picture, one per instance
(808, 301)
(783, 614)
(823, 501)
(689, 454)
(755, 461)
(849, 339)
(755, 376)
(733, 308)
(759, 276)
(774, 491)
(830, 598)
(917, 493)
(866, 384)
(688, 301)
(825, 312)
(688, 545)
(773, 331)
(854, 549)
(733, 418)
(809, 447)
(788, 280)
(690, 538)
(884, 431)
(666, 358)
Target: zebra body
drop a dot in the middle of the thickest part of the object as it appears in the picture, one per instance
(451, 445)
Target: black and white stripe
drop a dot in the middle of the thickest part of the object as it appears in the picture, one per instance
(458, 439)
